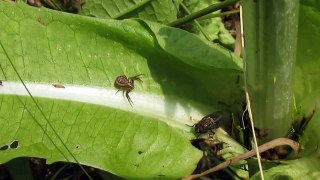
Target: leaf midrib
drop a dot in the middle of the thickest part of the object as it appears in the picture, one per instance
(145, 104)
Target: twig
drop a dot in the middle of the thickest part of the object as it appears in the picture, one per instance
(253, 132)
(269, 145)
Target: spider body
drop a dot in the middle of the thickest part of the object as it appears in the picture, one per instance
(126, 85)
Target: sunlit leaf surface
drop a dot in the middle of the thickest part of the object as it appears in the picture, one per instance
(164, 11)
(184, 78)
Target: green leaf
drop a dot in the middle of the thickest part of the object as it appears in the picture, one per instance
(213, 27)
(163, 11)
(305, 168)
(308, 56)
(181, 82)
(307, 76)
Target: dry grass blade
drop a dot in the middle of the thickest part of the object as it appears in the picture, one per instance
(269, 145)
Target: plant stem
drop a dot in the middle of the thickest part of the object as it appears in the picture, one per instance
(209, 16)
(270, 34)
(196, 22)
(130, 9)
(205, 11)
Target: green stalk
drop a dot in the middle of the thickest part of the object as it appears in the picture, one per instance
(209, 16)
(270, 32)
(196, 22)
(132, 8)
(205, 11)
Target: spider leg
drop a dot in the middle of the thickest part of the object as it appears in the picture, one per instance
(129, 99)
(136, 77)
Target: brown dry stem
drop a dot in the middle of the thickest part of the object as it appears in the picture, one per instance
(269, 145)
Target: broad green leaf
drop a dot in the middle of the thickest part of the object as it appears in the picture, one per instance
(163, 11)
(308, 56)
(305, 168)
(310, 138)
(307, 77)
(184, 79)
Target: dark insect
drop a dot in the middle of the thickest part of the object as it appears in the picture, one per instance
(208, 123)
(0, 82)
(209, 143)
(126, 85)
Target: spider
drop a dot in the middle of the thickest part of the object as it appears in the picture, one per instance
(126, 85)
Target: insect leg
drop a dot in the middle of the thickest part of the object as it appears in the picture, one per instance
(211, 133)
